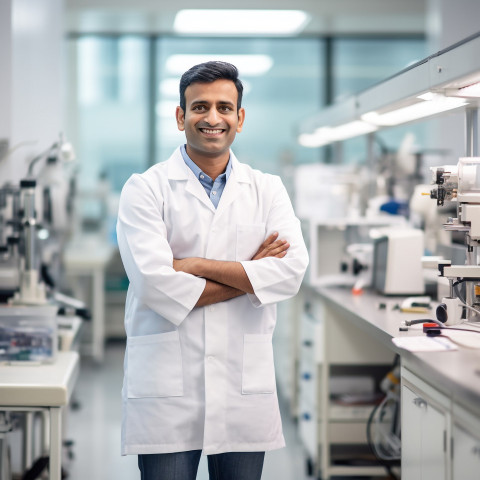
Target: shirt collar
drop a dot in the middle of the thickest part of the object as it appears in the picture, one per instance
(196, 169)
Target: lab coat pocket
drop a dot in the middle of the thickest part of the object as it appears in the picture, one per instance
(249, 237)
(154, 366)
(258, 374)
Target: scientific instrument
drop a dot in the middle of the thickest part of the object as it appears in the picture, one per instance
(397, 261)
(461, 184)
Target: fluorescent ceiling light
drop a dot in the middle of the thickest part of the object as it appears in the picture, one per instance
(248, 65)
(352, 129)
(470, 91)
(430, 104)
(240, 22)
(326, 135)
(310, 140)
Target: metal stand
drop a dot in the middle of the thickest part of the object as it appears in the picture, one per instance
(471, 147)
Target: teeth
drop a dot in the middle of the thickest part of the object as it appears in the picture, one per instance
(211, 132)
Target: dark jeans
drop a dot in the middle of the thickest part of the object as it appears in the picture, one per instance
(184, 466)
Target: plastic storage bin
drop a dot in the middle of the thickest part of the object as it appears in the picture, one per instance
(28, 334)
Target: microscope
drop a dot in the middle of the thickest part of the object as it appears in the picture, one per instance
(461, 184)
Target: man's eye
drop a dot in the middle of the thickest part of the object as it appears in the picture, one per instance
(225, 109)
(199, 108)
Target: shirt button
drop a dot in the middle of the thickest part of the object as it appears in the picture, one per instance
(202, 176)
(214, 193)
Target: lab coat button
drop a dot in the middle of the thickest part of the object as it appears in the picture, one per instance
(210, 358)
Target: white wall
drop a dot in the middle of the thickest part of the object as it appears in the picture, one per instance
(6, 62)
(31, 84)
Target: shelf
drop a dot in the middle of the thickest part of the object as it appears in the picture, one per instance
(444, 72)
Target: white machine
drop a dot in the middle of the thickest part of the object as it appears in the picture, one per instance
(341, 249)
(461, 184)
(397, 261)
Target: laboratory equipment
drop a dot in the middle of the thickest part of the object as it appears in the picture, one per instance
(397, 261)
(32, 290)
(328, 241)
(28, 334)
(383, 426)
(9, 268)
(461, 184)
(359, 264)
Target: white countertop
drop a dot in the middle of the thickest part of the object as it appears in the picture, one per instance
(457, 372)
(45, 385)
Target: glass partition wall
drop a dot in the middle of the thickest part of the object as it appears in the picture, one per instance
(123, 90)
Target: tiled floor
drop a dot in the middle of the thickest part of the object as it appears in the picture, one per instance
(95, 429)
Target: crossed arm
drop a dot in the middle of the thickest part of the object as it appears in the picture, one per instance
(227, 279)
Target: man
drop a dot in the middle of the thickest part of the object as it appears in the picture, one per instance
(209, 246)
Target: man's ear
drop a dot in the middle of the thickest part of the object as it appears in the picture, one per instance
(241, 119)
(180, 116)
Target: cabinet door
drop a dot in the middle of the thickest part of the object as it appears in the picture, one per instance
(411, 435)
(466, 455)
(433, 443)
(423, 438)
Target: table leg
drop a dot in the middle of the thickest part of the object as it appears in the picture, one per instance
(55, 466)
(28, 440)
(98, 298)
(45, 432)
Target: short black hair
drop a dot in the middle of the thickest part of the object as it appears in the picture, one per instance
(208, 72)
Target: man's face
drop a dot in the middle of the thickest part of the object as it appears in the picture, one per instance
(211, 119)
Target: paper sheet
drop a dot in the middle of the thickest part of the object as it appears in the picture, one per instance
(424, 344)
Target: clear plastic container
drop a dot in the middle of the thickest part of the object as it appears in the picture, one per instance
(28, 334)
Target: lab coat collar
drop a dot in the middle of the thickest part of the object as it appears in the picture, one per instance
(241, 172)
(179, 170)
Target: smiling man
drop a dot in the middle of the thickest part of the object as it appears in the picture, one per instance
(209, 246)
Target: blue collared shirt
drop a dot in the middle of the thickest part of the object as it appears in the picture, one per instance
(215, 188)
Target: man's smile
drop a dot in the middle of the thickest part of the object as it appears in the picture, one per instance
(212, 131)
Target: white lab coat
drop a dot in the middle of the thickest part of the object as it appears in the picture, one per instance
(202, 378)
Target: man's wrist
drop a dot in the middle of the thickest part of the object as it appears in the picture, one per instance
(197, 266)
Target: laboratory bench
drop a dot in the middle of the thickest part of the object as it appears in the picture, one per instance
(456, 371)
(342, 337)
(40, 390)
(86, 259)
(44, 389)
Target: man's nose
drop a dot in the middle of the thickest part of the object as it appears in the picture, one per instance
(212, 117)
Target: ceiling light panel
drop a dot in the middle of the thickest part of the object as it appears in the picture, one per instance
(326, 135)
(435, 105)
(240, 22)
(470, 91)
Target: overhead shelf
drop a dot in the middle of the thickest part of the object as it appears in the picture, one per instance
(432, 86)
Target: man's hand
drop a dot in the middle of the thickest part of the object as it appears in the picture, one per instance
(184, 265)
(272, 247)
(229, 273)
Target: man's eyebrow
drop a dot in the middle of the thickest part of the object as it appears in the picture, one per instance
(205, 102)
(199, 102)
